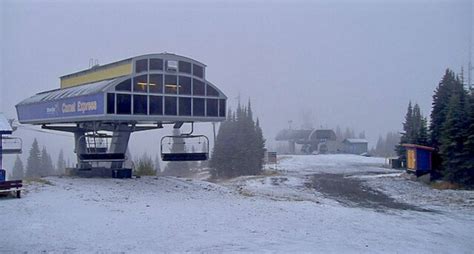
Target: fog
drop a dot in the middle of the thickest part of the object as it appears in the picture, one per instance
(354, 64)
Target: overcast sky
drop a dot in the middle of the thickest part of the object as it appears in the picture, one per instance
(350, 63)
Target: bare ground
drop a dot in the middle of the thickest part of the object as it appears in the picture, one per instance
(352, 192)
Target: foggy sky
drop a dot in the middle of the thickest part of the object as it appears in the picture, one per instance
(354, 64)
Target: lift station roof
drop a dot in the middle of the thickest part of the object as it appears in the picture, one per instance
(144, 89)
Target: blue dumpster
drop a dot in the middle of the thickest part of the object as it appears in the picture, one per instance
(3, 173)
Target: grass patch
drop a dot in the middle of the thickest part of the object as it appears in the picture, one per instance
(443, 185)
(39, 180)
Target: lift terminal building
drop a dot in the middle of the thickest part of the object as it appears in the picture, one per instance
(134, 94)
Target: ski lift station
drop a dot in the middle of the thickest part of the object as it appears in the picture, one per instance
(104, 104)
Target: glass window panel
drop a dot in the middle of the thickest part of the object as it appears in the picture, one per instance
(184, 67)
(125, 85)
(124, 104)
(198, 87)
(172, 65)
(141, 65)
(170, 105)
(184, 106)
(110, 103)
(198, 71)
(198, 107)
(222, 108)
(184, 85)
(211, 107)
(156, 83)
(156, 105)
(140, 104)
(156, 64)
(211, 91)
(140, 83)
(171, 84)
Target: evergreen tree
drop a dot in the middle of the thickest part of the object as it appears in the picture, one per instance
(386, 146)
(406, 135)
(440, 103)
(61, 164)
(468, 156)
(422, 136)
(259, 147)
(46, 164)
(18, 169)
(33, 161)
(415, 130)
(453, 137)
(239, 147)
(415, 124)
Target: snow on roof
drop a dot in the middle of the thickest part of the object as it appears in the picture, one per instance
(356, 140)
(86, 89)
(5, 127)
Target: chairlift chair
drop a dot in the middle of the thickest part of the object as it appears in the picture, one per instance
(177, 148)
(12, 145)
(97, 145)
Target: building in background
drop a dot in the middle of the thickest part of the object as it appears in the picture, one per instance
(355, 146)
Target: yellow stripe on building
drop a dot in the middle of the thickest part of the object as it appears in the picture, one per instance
(98, 75)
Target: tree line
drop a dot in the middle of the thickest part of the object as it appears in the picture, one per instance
(38, 164)
(239, 147)
(450, 131)
(385, 145)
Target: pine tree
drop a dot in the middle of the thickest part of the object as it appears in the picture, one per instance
(259, 147)
(239, 147)
(440, 106)
(468, 156)
(416, 124)
(61, 163)
(452, 138)
(33, 161)
(18, 169)
(406, 135)
(422, 137)
(46, 167)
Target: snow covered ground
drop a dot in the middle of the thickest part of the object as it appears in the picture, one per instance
(281, 212)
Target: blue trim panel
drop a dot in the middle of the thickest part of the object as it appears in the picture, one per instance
(87, 105)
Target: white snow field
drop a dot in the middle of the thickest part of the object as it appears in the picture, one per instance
(275, 213)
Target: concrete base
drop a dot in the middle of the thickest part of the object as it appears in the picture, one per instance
(100, 172)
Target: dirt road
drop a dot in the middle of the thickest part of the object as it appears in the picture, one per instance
(351, 191)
